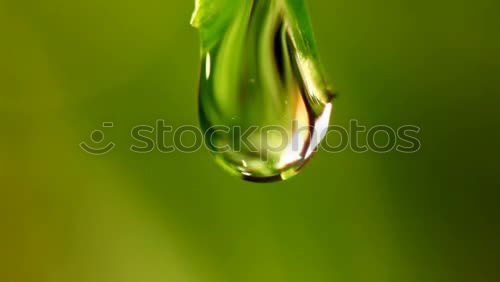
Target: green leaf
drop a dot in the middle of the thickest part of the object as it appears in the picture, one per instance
(213, 17)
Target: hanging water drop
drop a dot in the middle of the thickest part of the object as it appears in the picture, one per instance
(263, 101)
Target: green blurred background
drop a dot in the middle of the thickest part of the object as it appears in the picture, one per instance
(68, 66)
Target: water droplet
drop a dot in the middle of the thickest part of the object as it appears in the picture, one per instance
(263, 100)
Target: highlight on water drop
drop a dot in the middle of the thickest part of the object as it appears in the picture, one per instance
(260, 69)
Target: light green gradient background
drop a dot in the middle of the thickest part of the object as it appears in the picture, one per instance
(66, 66)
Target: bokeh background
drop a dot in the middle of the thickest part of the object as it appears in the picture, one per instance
(68, 66)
